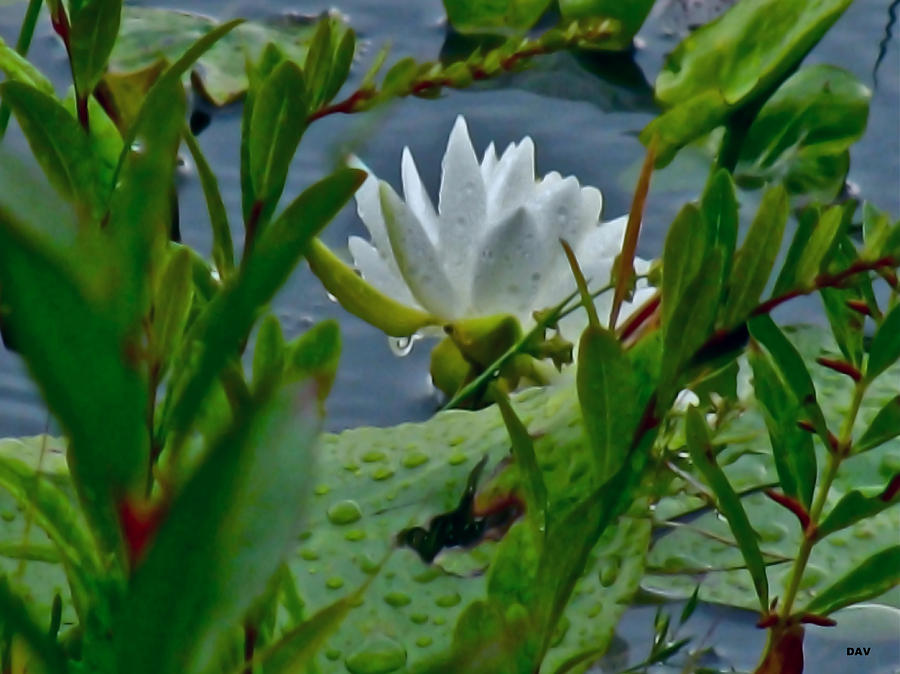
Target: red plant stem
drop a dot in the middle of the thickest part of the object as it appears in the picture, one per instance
(840, 366)
(793, 505)
(638, 318)
(891, 490)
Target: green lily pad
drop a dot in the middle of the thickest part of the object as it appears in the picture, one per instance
(220, 75)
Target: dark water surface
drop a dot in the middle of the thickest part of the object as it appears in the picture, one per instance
(583, 114)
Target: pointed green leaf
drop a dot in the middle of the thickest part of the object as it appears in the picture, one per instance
(816, 251)
(846, 324)
(885, 426)
(873, 577)
(316, 353)
(59, 144)
(223, 248)
(856, 506)
(719, 207)
(792, 447)
(604, 380)
(225, 535)
(700, 447)
(686, 245)
(885, 348)
(278, 122)
(340, 67)
(93, 32)
(19, 69)
(876, 231)
(269, 353)
(787, 278)
(172, 305)
(756, 257)
(317, 65)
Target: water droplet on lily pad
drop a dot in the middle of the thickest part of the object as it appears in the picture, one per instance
(8, 515)
(382, 473)
(457, 458)
(414, 459)
(355, 535)
(423, 641)
(448, 600)
(419, 618)
(609, 569)
(334, 583)
(332, 654)
(397, 599)
(344, 512)
(374, 455)
(377, 656)
(321, 490)
(309, 555)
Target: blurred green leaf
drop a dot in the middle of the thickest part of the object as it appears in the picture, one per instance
(876, 231)
(278, 122)
(756, 257)
(228, 318)
(17, 620)
(731, 61)
(884, 427)
(818, 111)
(50, 305)
(223, 248)
(316, 353)
(873, 577)
(93, 31)
(61, 147)
(701, 450)
(493, 16)
(631, 15)
(225, 535)
(269, 352)
(847, 325)
(792, 446)
(885, 348)
(787, 276)
(171, 306)
(604, 380)
(19, 69)
(856, 506)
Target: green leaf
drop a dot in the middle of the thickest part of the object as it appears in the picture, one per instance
(316, 353)
(94, 27)
(701, 450)
(604, 380)
(269, 353)
(49, 305)
(172, 304)
(61, 147)
(200, 575)
(885, 348)
(856, 506)
(873, 577)
(523, 453)
(318, 64)
(792, 447)
(730, 62)
(631, 15)
(17, 620)
(821, 243)
(277, 124)
(719, 208)
(685, 249)
(787, 277)
(223, 248)
(756, 257)
(820, 111)
(228, 318)
(361, 299)
(340, 67)
(885, 426)
(19, 69)
(876, 231)
(492, 16)
(846, 324)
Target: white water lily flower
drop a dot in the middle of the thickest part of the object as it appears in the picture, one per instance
(492, 245)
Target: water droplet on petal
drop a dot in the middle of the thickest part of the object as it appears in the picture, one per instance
(332, 297)
(402, 346)
(344, 512)
(377, 656)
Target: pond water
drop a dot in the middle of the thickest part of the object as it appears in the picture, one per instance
(583, 113)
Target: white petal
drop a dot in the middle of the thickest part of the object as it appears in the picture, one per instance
(512, 181)
(509, 269)
(604, 240)
(376, 271)
(368, 205)
(462, 203)
(558, 208)
(417, 197)
(489, 163)
(417, 257)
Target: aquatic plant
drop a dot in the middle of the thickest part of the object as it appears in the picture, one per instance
(192, 518)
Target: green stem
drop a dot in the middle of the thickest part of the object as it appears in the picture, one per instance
(831, 470)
